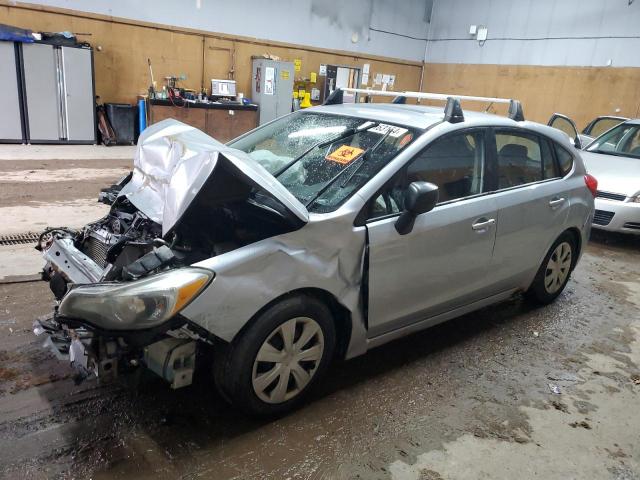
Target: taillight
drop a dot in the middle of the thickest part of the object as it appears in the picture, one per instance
(591, 183)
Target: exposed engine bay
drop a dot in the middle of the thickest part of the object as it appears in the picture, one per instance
(189, 198)
(127, 245)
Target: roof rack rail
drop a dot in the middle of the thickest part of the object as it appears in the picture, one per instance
(453, 110)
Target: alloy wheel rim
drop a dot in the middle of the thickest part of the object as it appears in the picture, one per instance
(287, 360)
(558, 268)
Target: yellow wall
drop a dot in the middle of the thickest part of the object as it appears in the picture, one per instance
(121, 70)
(580, 92)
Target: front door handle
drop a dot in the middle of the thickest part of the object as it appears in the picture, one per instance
(556, 202)
(482, 224)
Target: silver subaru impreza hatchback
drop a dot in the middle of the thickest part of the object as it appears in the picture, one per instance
(322, 234)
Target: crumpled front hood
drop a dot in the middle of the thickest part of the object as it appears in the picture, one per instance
(174, 160)
(614, 174)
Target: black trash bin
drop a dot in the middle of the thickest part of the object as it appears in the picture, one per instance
(122, 117)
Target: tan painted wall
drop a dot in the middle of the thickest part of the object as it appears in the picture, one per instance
(121, 69)
(580, 92)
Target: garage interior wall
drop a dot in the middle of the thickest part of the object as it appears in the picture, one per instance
(578, 57)
(122, 45)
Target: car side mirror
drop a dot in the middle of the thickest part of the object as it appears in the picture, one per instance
(420, 197)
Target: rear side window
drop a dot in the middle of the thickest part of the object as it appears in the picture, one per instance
(454, 163)
(565, 160)
(523, 159)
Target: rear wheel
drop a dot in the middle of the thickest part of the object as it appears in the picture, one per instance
(555, 270)
(274, 364)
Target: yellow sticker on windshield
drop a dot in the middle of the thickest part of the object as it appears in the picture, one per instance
(345, 154)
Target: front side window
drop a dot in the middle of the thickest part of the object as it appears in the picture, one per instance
(455, 163)
(323, 159)
(522, 158)
(623, 140)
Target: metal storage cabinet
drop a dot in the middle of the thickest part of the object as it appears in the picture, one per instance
(58, 94)
(79, 94)
(41, 93)
(272, 88)
(11, 128)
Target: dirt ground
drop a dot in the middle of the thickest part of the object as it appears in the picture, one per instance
(471, 398)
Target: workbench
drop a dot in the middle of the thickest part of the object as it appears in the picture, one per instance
(222, 121)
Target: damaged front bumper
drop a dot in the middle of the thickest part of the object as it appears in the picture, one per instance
(74, 346)
(103, 356)
(107, 328)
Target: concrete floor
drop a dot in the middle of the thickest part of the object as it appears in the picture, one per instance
(467, 399)
(50, 186)
(65, 152)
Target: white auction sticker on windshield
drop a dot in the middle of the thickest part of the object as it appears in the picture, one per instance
(382, 128)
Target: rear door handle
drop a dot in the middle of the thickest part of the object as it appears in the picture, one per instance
(483, 224)
(556, 202)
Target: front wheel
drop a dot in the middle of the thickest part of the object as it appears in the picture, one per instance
(555, 270)
(273, 364)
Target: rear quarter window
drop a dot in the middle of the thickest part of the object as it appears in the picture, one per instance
(565, 160)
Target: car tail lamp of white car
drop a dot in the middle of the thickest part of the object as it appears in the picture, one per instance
(592, 184)
(135, 305)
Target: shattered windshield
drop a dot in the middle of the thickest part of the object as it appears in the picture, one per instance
(322, 159)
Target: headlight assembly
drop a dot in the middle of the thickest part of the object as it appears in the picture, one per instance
(136, 305)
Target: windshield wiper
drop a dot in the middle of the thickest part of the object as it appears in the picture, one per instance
(365, 156)
(361, 161)
(347, 133)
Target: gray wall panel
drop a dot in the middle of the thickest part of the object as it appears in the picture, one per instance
(319, 23)
(331, 24)
(535, 20)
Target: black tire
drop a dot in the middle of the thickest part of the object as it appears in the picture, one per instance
(538, 292)
(234, 364)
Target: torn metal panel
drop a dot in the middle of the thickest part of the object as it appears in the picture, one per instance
(322, 255)
(71, 262)
(174, 161)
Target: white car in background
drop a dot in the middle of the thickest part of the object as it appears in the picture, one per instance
(614, 159)
(598, 126)
(593, 130)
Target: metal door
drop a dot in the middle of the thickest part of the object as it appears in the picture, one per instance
(530, 219)
(440, 265)
(284, 87)
(78, 98)
(11, 118)
(41, 92)
(565, 124)
(272, 88)
(531, 215)
(263, 90)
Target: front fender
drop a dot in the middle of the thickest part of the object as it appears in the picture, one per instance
(250, 277)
